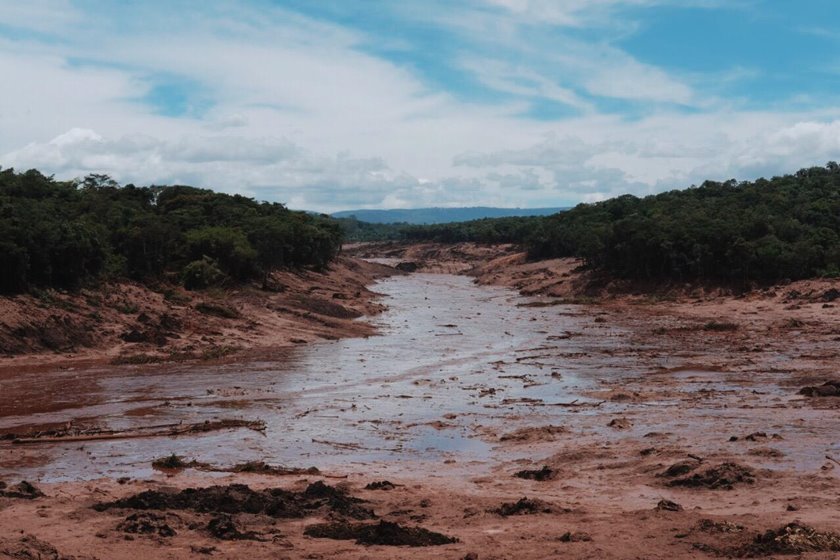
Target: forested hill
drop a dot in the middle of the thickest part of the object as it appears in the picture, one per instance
(62, 234)
(440, 215)
(761, 231)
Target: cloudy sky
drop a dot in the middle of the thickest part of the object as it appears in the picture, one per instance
(338, 104)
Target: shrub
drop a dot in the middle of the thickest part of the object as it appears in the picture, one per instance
(201, 274)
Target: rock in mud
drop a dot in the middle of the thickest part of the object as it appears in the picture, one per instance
(524, 506)
(407, 266)
(239, 498)
(711, 526)
(543, 474)
(827, 389)
(382, 533)
(381, 485)
(721, 477)
(146, 523)
(224, 528)
(668, 505)
(22, 490)
(575, 537)
(620, 424)
(680, 468)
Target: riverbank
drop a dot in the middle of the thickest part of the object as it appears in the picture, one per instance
(524, 427)
(130, 323)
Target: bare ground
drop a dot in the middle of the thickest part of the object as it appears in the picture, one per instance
(704, 449)
(133, 324)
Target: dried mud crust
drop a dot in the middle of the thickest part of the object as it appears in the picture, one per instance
(239, 498)
(722, 477)
(524, 506)
(540, 475)
(382, 533)
(146, 523)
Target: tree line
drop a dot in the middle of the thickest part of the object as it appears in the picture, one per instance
(763, 231)
(61, 234)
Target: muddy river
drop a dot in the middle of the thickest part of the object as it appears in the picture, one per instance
(455, 368)
(448, 349)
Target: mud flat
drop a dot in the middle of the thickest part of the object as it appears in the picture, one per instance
(130, 323)
(480, 423)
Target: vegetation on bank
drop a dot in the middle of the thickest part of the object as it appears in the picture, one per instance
(486, 230)
(60, 234)
(761, 231)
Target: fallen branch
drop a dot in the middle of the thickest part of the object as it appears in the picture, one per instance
(161, 430)
(575, 403)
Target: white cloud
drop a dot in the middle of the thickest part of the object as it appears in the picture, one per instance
(299, 111)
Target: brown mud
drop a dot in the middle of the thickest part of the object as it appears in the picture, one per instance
(466, 387)
(130, 323)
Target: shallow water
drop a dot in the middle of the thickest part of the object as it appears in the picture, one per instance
(444, 341)
(455, 366)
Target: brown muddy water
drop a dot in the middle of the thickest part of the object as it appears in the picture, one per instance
(456, 367)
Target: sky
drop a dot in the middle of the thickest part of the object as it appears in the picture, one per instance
(342, 104)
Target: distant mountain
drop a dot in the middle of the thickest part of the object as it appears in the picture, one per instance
(441, 215)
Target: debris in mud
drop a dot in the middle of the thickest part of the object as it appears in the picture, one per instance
(239, 498)
(381, 485)
(543, 474)
(575, 537)
(827, 389)
(831, 294)
(172, 462)
(162, 430)
(224, 528)
(721, 477)
(620, 424)
(382, 533)
(22, 490)
(524, 506)
(668, 505)
(540, 433)
(259, 467)
(711, 526)
(793, 538)
(407, 266)
(146, 523)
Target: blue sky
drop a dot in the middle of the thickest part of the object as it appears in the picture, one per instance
(331, 104)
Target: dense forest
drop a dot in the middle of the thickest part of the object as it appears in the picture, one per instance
(61, 234)
(761, 231)
(484, 230)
